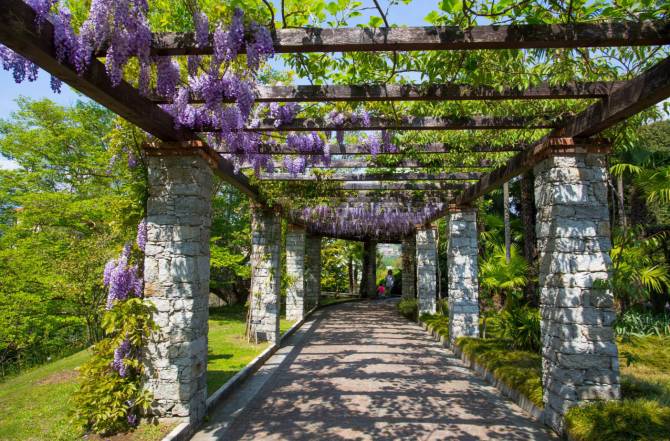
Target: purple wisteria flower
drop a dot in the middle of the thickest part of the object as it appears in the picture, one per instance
(142, 235)
(120, 354)
(121, 279)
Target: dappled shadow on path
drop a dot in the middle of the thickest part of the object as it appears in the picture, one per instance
(363, 372)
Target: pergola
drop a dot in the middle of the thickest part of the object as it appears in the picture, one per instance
(579, 351)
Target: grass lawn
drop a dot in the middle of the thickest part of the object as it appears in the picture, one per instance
(644, 412)
(35, 405)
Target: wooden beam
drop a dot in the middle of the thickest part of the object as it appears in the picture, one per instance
(363, 177)
(518, 36)
(19, 33)
(421, 92)
(637, 94)
(408, 123)
(386, 186)
(524, 162)
(434, 148)
(362, 163)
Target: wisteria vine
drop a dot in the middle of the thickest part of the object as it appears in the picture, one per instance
(366, 221)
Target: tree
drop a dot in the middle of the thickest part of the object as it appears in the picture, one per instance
(66, 210)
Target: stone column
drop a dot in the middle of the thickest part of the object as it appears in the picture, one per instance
(295, 271)
(426, 268)
(312, 271)
(369, 271)
(176, 281)
(579, 353)
(462, 273)
(265, 275)
(408, 249)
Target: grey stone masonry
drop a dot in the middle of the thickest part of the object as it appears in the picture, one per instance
(462, 273)
(312, 271)
(408, 250)
(176, 281)
(265, 275)
(426, 269)
(579, 352)
(295, 272)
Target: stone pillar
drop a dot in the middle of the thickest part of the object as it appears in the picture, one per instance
(462, 273)
(176, 281)
(579, 353)
(426, 268)
(265, 275)
(312, 271)
(369, 271)
(408, 249)
(295, 272)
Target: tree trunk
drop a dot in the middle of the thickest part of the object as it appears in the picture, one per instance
(620, 202)
(529, 247)
(508, 231)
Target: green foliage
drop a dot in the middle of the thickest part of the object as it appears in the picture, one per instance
(520, 326)
(635, 273)
(408, 308)
(502, 280)
(105, 399)
(65, 211)
(635, 323)
(519, 369)
(438, 323)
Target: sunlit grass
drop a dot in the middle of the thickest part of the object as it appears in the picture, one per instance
(35, 405)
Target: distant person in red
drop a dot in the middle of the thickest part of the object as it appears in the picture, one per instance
(381, 290)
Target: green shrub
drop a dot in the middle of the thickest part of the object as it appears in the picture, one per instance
(520, 370)
(635, 323)
(437, 322)
(521, 327)
(409, 308)
(106, 401)
(637, 419)
(443, 307)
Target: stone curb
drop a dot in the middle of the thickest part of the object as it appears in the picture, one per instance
(184, 430)
(520, 399)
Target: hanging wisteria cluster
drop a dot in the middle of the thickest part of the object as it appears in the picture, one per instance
(121, 279)
(365, 220)
(121, 28)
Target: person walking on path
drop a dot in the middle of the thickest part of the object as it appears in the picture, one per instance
(389, 281)
(381, 290)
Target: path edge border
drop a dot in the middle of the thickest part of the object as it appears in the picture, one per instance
(535, 412)
(185, 430)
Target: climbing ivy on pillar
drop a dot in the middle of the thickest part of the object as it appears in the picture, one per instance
(426, 268)
(176, 278)
(265, 275)
(295, 273)
(579, 352)
(312, 271)
(463, 282)
(408, 250)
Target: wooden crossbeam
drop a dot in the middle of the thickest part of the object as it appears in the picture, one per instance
(362, 177)
(408, 123)
(405, 163)
(421, 92)
(518, 36)
(434, 148)
(386, 186)
(639, 93)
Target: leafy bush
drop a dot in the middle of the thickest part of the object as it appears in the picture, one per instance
(409, 308)
(520, 370)
(438, 322)
(619, 421)
(109, 399)
(521, 327)
(443, 307)
(635, 323)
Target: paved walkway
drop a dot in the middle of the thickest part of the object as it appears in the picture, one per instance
(360, 371)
